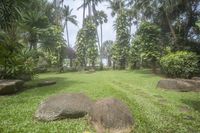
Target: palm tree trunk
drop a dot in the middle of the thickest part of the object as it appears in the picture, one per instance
(67, 34)
(99, 47)
(109, 61)
(70, 62)
(101, 60)
(89, 10)
(101, 34)
(83, 13)
(171, 28)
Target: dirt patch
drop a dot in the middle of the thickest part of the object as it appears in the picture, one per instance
(184, 109)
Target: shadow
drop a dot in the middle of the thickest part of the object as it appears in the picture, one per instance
(192, 103)
(61, 83)
(144, 71)
(148, 72)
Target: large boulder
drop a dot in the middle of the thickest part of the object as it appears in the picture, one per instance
(62, 106)
(196, 78)
(182, 85)
(10, 86)
(111, 115)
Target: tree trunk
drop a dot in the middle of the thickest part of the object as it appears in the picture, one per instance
(89, 9)
(61, 69)
(33, 42)
(101, 60)
(70, 62)
(83, 12)
(99, 47)
(101, 34)
(109, 61)
(171, 28)
(67, 34)
(154, 65)
(113, 65)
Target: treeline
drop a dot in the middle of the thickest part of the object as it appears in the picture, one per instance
(167, 36)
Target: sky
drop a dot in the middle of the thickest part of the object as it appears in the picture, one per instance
(108, 32)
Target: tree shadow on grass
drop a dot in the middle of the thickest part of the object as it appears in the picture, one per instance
(61, 83)
(195, 104)
(149, 73)
(144, 71)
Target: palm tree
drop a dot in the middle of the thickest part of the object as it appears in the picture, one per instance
(100, 18)
(32, 23)
(67, 12)
(84, 8)
(115, 6)
(163, 9)
(91, 5)
(106, 51)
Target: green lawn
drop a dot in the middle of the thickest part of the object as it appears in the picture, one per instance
(154, 110)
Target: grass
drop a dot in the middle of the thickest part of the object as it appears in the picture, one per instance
(154, 110)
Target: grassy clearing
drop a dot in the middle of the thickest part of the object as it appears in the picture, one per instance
(154, 110)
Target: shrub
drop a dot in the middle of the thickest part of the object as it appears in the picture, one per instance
(181, 64)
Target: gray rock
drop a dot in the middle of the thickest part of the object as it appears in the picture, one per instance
(182, 85)
(46, 83)
(63, 106)
(25, 77)
(111, 115)
(10, 86)
(196, 78)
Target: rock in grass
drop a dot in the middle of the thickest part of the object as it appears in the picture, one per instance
(182, 85)
(196, 78)
(10, 86)
(63, 106)
(46, 83)
(111, 115)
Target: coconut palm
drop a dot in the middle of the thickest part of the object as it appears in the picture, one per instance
(106, 51)
(91, 5)
(67, 12)
(115, 6)
(100, 17)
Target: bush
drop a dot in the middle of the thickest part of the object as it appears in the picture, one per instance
(181, 64)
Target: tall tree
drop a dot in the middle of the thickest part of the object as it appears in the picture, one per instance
(115, 6)
(100, 18)
(69, 18)
(87, 51)
(32, 22)
(122, 39)
(106, 51)
(120, 50)
(169, 15)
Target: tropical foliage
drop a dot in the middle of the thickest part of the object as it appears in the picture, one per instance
(181, 64)
(122, 40)
(86, 44)
(35, 30)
